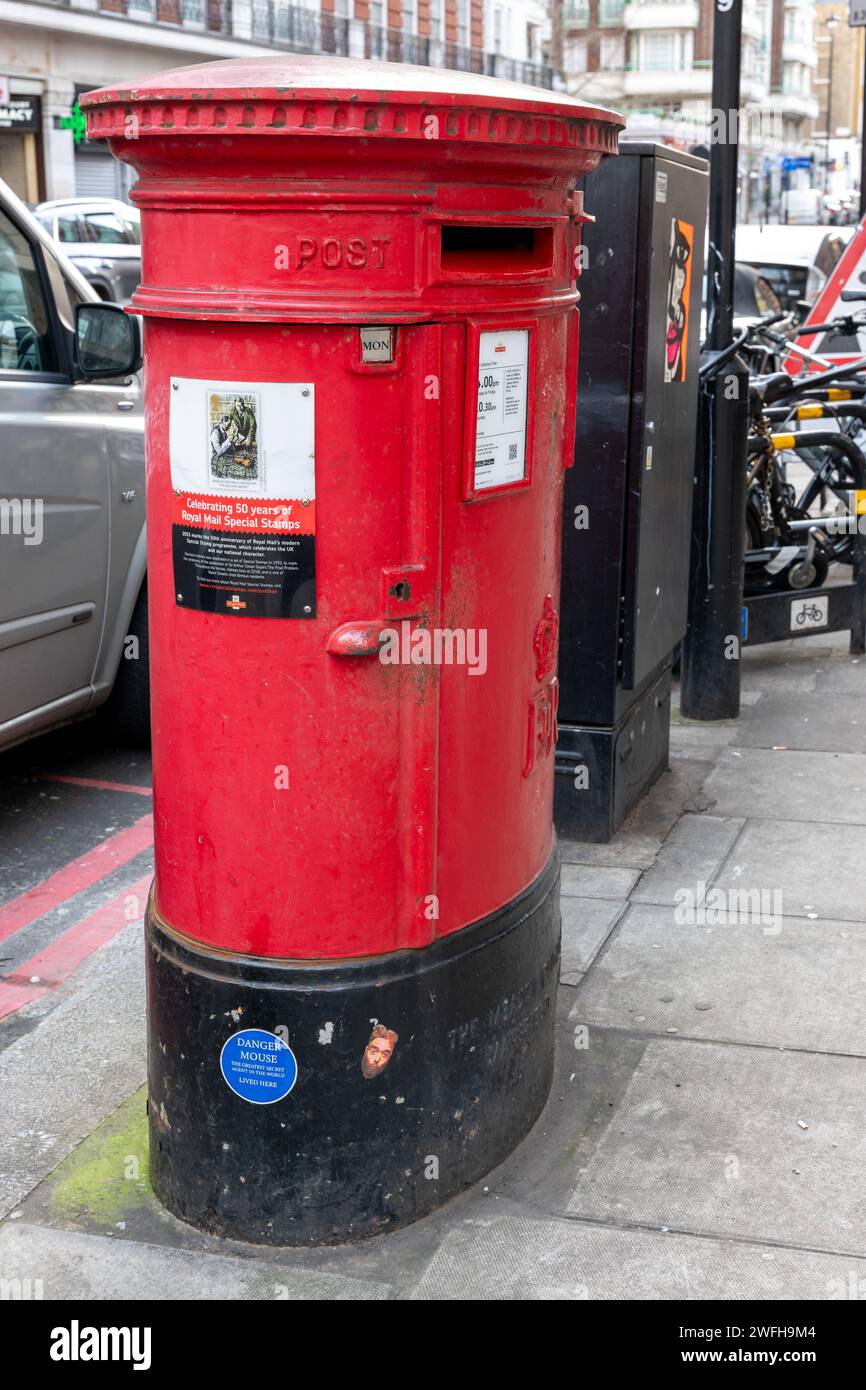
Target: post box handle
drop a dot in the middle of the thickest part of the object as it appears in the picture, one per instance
(356, 639)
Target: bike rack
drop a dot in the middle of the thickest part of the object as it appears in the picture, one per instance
(777, 616)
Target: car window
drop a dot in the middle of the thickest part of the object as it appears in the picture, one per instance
(66, 295)
(109, 229)
(68, 228)
(25, 334)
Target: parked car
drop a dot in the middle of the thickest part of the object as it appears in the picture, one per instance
(795, 261)
(102, 236)
(802, 205)
(72, 541)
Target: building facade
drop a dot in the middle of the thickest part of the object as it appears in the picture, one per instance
(51, 51)
(838, 86)
(653, 60)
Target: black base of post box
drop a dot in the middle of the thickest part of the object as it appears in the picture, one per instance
(601, 773)
(346, 1155)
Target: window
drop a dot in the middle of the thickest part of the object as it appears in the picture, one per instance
(464, 31)
(108, 229)
(498, 28)
(574, 56)
(66, 295)
(193, 14)
(665, 50)
(658, 52)
(796, 79)
(610, 11)
(25, 334)
(576, 12)
(69, 229)
(612, 52)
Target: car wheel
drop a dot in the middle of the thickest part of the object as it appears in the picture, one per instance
(129, 707)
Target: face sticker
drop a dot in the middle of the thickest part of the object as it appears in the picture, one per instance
(378, 1052)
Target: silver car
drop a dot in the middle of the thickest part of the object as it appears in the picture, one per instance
(73, 601)
(102, 236)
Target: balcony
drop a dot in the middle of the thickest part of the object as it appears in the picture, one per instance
(659, 14)
(796, 51)
(667, 84)
(272, 24)
(792, 104)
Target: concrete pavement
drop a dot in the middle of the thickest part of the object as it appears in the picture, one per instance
(704, 1134)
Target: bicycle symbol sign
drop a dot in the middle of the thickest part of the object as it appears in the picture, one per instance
(809, 613)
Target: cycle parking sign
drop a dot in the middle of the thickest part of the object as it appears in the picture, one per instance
(810, 612)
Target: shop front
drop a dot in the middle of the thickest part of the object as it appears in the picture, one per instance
(20, 118)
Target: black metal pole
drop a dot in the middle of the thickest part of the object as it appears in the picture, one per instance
(724, 155)
(710, 656)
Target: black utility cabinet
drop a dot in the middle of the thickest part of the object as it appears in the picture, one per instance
(628, 498)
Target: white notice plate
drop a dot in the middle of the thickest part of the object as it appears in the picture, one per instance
(503, 385)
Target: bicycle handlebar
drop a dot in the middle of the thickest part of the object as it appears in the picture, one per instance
(724, 356)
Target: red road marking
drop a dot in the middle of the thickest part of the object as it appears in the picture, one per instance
(88, 869)
(95, 782)
(57, 962)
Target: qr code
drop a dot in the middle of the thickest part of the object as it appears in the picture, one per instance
(512, 452)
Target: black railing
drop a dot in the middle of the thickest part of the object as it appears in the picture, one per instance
(205, 16)
(393, 46)
(533, 74)
(302, 31)
(463, 59)
(273, 24)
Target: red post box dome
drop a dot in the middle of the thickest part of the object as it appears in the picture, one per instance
(241, 133)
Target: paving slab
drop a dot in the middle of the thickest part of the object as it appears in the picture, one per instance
(695, 849)
(74, 1266)
(796, 676)
(815, 647)
(784, 982)
(736, 1141)
(627, 849)
(586, 922)
(842, 676)
(526, 1260)
(818, 869)
(797, 721)
(85, 1054)
(704, 740)
(789, 786)
(597, 881)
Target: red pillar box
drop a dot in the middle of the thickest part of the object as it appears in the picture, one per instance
(359, 295)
